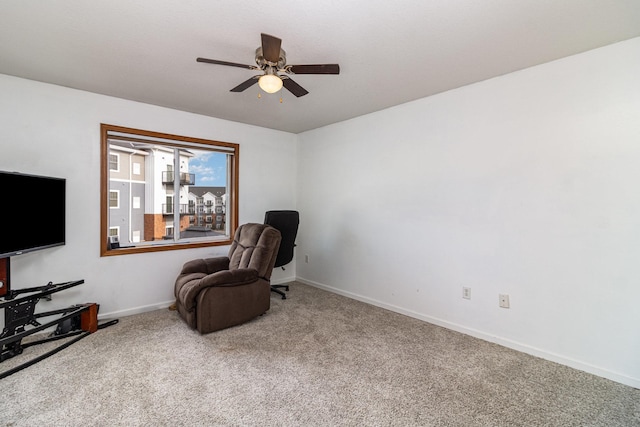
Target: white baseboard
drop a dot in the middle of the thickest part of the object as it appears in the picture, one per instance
(283, 280)
(134, 310)
(553, 357)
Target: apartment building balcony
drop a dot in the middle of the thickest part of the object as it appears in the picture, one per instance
(185, 178)
(168, 209)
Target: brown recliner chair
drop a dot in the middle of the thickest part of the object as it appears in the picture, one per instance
(216, 293)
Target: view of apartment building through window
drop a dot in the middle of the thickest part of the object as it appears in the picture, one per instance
(149, 200)
(208, 205)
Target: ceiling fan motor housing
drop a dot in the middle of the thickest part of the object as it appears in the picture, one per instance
(263, 63)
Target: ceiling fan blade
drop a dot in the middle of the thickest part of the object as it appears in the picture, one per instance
(271, 48)
(246, 84)
(294, 87)
(232, 64)
(314, 69)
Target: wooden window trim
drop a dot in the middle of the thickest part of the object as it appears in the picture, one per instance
(175, 141)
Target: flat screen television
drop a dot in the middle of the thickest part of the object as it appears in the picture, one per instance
(32, 212)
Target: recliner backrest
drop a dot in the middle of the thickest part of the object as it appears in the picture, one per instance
(255, 246)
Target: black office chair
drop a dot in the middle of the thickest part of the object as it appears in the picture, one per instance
(287, 223)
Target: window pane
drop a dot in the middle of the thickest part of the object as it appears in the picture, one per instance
(113, 162)
(113, 199)
(208, 192)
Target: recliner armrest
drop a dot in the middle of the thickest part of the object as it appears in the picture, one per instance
(205, 265)
(239, 276)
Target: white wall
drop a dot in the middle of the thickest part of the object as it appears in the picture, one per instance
(51, 130)
(526, 184)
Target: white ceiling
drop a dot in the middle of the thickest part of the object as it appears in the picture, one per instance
(389, 52)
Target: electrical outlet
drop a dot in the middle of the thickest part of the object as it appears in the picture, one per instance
(466, 293)
(504, 300)
(306, 258)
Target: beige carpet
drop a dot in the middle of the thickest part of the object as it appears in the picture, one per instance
(315, 359)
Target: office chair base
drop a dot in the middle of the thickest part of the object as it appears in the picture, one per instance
(275, 288)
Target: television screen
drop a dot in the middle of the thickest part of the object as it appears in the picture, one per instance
(32, 212)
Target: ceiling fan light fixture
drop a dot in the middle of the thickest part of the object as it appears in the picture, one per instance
(270, 83)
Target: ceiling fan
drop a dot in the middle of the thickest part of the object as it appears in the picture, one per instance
(271, 59)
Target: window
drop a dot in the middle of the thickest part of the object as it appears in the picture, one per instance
(155, 186)
(114, 231)
(114, 164)
(114, 197)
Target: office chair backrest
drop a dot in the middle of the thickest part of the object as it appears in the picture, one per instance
(287, 223)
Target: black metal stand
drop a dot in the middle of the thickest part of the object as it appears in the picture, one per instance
(276, 289)
(20, 321)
